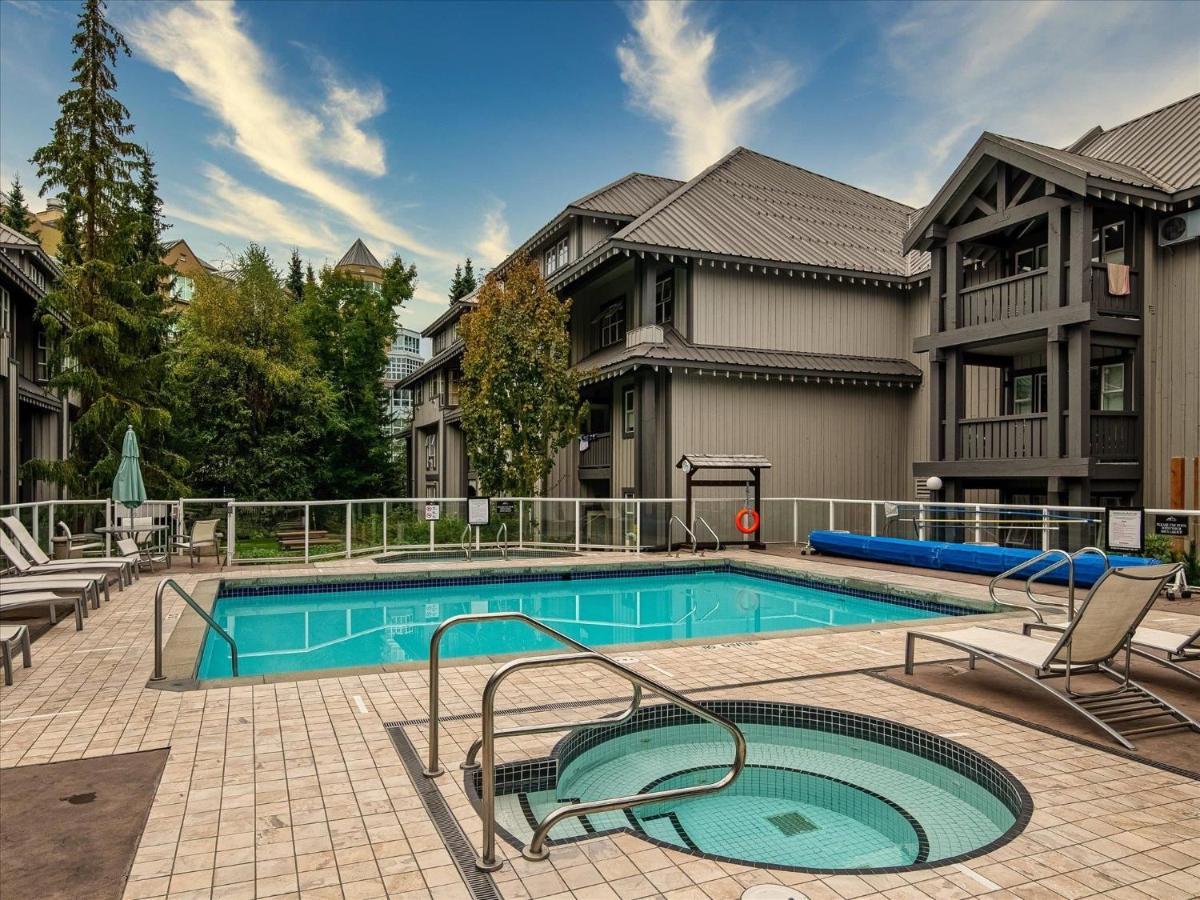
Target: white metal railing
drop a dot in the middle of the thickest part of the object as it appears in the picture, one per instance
(306, 531)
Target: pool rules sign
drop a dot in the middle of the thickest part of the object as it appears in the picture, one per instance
(1124, 529)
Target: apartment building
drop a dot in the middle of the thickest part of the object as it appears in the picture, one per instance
(404, 358)
(762, 308)
(34, 419)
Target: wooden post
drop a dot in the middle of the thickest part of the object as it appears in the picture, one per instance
(954, 272)
(758, 541)
(1178, 492)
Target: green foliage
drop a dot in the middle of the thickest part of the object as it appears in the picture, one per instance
(520, 397)
(113, 354)
(295, 276)
(15, 214)
(464, 280)
(1162, 548)
(252, 415)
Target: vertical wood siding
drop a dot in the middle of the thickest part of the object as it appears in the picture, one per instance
(594, 231)
(622, 456)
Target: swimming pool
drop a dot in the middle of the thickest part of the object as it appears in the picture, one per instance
(823, 790)
(333, 625)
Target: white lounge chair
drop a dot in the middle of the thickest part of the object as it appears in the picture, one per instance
(12, 636)
(204, 534)
(1148, 643)
(50, 599)
(84, 585)
(1103, 627)
(38, 562)
(139, 556)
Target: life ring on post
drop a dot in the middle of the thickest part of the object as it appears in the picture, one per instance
(740, 520)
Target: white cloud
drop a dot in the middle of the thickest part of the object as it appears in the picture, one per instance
(1045, 71)
(667, 63)
(494, 243)
(205, 45)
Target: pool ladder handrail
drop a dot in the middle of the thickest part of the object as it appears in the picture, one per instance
(704, 522)
(686, 530)
(1082, 551)
(464, 542)
(536, 849)
(502, 530)
(1065, 558)
(200, 611)
(434, 768)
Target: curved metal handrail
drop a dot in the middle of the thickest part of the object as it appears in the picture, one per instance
(537, 850)
(704, 522)
(200, 611)
(435, 643)
(1045, 554)
(1082, 551)
(686, 531)
(464, 541)
(502, 530)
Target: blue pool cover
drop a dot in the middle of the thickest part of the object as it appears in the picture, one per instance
(961, 557)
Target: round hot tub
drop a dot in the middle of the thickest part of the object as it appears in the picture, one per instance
(822, 790)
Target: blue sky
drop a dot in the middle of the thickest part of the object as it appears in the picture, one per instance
(451, 129)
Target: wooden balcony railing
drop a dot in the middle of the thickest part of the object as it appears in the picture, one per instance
(1114, 435)
(1002, 437)
(598, 453)
(1002, 299)
(1129, 305)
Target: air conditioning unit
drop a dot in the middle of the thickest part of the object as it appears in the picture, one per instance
(1179, 228)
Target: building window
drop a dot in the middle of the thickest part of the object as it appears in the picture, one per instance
(1108, 243)
(557, 257)
(1112, 387)
(664, 299)
(1030, 259)
(431, 452)
(1029, 394)
(184, 289)
(42, 361)
(612, 323)
(628, 421)
(5, 314)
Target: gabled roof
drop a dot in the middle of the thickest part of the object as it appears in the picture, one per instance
(171, 245)
(359, 255)
(1164, 144)
(13, 239)
(750, 206)
(629, 196)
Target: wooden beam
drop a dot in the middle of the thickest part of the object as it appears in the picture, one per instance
(937, 277)
(1011, 216)
(1080, 241)
(1054, 259)
(1079, 394)
(1001, 186)
(954, 280)
(1054, 393)
(954, 404)
(1022, 189)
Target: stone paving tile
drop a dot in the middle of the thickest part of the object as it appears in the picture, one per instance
(292, 789)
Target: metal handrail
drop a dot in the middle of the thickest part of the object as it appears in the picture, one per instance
(464, 541)
(686, 531)
(1082, 551)
(502, 530)
(1045, 554)
(435, 643)
(537, 850)
(704, 522)
(200, 611)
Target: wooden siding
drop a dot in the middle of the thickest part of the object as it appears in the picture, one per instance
(623, 472)
(822, 440)
(587, 303)
(775, 312)
(593, 231)
(1172, 367)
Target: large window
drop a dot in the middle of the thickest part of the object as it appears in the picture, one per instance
(664, 299)
(611, 323)
(1030, 259)
(557, 257)
(1029, 393)
(628, 419)
(1108, 243)
(184, 289)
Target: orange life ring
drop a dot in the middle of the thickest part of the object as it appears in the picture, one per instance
(739, 520)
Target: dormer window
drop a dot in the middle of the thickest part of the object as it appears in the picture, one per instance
(612, 323)
(557, 257)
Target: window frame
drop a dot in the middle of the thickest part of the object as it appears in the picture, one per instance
(1119, 392)
(610, 324)
(1040, 254)
(431, 452)
(1037, 391)
(628, 412)
(1100, 243)
(664, 301)
(41, 358)
(557, 256)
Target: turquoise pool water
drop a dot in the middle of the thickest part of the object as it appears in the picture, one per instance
(808, 798)
(321, 627)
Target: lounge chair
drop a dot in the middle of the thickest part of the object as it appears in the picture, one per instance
(1148, 642)
(10, 637)
(204, 534)
(86, 585)
(140, 556)
(43, 563)
(1103, 627)
(50, 599)
(79, 543)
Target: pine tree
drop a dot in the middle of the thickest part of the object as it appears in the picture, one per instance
(463, 281)
(295, 276)
(456, 290)
(309, 276)
(112, 355)
(16, 214)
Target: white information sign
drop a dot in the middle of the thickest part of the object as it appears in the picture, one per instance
(1124, 529)
(433, 512)
(479, 510)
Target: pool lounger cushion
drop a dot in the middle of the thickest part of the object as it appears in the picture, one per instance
(952, 557)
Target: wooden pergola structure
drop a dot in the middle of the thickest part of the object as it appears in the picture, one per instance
(694, 463)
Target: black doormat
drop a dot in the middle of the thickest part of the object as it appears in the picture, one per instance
(71, 829)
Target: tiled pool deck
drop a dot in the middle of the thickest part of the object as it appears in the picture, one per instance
(295, 789)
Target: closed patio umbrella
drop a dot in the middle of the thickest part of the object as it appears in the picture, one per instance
(128, 488)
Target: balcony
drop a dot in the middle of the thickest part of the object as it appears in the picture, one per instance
(1114, 436)
(595, 460)
(1129, 306)
(1002, 437)
(1002, 299)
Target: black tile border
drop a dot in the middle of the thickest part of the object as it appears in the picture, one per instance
(950, 754)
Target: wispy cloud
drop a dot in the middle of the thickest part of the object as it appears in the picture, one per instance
(667, 64)
(494, 242)
(206, 46)
(1046, 71)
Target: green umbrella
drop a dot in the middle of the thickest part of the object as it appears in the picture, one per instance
(128, 488)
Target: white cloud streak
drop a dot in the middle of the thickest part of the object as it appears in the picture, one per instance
(206, 46)
(1045, 71)
(494, 242)
(667, 64)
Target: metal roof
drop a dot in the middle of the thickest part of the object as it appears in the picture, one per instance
(1164, 144)
(438, 359)
(1085, 165)
(724, 461)
(359, 255)
(754, 207)
(675, 350)
(629, 196)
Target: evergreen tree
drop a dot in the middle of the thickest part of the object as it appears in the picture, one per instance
(520, 396)
(112, 354)
(309, 277)
(295, 276)
(456, 290)
(15, 213)
(463, 281)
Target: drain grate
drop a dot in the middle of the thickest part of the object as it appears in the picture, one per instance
(792, 823)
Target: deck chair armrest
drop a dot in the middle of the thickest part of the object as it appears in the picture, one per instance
(1028, 627)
